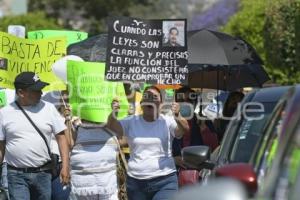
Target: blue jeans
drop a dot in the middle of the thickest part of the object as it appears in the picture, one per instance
(160, 188)
(4, 182)
(58, 192)
(26, 186)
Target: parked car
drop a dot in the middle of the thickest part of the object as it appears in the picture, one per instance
(278, 161)
(241, 137)
(244, 131)
(276, 164)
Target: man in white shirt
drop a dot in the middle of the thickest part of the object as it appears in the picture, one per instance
(26, 153)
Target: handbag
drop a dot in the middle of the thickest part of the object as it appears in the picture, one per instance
(54, 157)
(121, 168)
(187, 177)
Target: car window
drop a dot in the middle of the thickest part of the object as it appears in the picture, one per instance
(289, 170)
(249, 132)
(270, 144)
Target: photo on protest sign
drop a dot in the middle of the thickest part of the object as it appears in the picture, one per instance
(136, 52)
(174, 33)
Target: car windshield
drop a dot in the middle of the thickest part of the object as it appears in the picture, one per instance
(250, 131)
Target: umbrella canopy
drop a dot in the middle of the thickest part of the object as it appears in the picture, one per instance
(228, 78)
(91, 49)
(220, 61)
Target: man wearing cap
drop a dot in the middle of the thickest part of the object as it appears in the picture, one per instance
(26, 153)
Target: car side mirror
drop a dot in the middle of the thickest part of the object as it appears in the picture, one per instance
(242, 172)
(196, 156)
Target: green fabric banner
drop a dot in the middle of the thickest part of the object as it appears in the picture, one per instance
(72, 36)
(90, 95)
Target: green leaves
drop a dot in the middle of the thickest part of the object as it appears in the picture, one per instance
(280, 38)
(88, 16)
(273, 28)
(32, 21)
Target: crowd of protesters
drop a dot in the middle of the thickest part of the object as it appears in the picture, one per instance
(33, 130)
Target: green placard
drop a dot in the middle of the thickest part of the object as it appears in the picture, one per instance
(2, 98)
(90, 95)
(18, 55)
(72, 36)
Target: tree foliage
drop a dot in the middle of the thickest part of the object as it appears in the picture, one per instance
(271, 28)
(88, 16)
(31, 21)
(280, 38)
(248, 23)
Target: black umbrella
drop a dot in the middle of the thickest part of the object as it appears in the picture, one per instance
(220, 61)
(228, 78)
(90, 49)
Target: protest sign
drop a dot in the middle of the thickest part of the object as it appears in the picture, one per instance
(90, 95)
(17, 30)
(151, 51)
(18, 55)
(72, 36)
(2, 98)
(10, 95)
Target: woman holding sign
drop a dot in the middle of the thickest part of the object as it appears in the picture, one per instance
(151, 170)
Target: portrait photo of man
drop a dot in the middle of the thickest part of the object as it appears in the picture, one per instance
(173, 34)
(172, 39)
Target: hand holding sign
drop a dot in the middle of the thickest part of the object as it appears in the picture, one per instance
(115, 105)
(175, 108)
(59, 68)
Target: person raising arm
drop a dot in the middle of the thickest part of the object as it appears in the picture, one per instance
(150, 138)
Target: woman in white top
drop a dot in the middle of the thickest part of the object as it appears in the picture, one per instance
(93, 164)
(151, 168)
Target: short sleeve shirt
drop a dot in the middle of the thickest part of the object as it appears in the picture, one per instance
(24, 146)
(150, 146)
